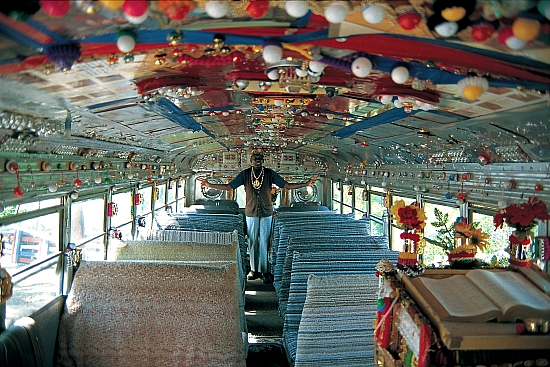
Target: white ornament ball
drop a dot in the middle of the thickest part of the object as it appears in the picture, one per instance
(273, 74)
(400, 75)
(316, 66)
(126, 43)
(97, 180)
(216, 9)
(386, 98)
(241, 84)
(502, 204)
(336, 12)
(446, 29)
(74, 195)
(373, 13)
(52, 187)
(515, 43)
(296, 9)
(136, 20)
(361, 67)
(272, 54)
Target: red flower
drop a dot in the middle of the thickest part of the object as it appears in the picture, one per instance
(408, 216)
(522, 216)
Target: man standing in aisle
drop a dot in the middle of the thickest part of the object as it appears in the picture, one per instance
(257, 181)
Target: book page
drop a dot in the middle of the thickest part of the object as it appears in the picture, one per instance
(511, 291)
(462, 299)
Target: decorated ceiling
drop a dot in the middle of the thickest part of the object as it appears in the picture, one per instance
(355, 82)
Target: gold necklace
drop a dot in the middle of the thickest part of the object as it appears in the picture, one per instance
(257, 181)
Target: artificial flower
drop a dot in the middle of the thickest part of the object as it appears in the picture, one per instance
(522, 216)
(408, 217)
(478, 238)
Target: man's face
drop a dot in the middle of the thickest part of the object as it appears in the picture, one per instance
(257, 159)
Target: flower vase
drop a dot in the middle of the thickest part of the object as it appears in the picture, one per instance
(408, 257)
(519, 243)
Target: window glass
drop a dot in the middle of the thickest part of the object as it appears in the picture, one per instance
(498, 239)
(408, 201)
(434, 254)
(123, 201)
(376, 228)
(240, 196)
(33, 292)
(377, 205)
(171, 192)
(336, 191)
(161, 196)
(361, 197)
(145, 206)
(29, 241)
(87, 223)
(346, 209)
(27, 207)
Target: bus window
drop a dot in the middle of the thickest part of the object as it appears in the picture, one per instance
(122, 221)
(87, 227)
(433, 253)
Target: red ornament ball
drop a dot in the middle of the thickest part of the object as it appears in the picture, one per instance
(520, 328)
(461, 196)
(18, 191)
(257, 8)
(483, 31)
(77, 182)
(409, 20)
(135, 8)
(55, 8)
(149, 179)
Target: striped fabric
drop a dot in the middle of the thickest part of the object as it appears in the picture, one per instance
(207, 222)
(336, 326)
(323, 263)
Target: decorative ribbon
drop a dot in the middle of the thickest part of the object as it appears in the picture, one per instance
(516, 241)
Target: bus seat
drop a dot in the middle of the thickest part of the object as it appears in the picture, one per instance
(152, 313)
(31, 341)
(336, 326)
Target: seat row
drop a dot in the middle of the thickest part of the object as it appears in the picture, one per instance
(328, 322)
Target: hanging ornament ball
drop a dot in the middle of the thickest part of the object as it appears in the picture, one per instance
(472, 88)
(135, 8)
(336, 12)
(373, 13)
(481, 32)
(502, 204)
(257, 8)
(506, 37)
(448, 195)
(241, 84)
(458, 202)
(296, 9)
(543, 7)
(53, 187)
(136, 20)
(400, 75)
(176, 9)
(446, 29)
(97, 180)
(453, 13)
(111, 4)
(539, 187)
(361, 67)
(216, 9)
(55, 8)
(126, 41)
(77, 182)
(526, 29)
(18, 191)
(409, 20)
(461, 196)
(272, 52)
(74, 195)
(316, 66)
(511, 184)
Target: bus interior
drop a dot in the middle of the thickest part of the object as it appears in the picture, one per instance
(115, 254)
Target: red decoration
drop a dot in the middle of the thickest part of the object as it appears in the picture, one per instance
(257, 8)
(504, 34)
(409, 20)
(135, 8)
(77, 182)
(176, 9)
(522, 216)
(55, 8)
(483, 31)
(18, 191)
(461, 196)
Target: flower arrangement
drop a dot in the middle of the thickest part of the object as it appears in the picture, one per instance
(521, 217)
(410, 218)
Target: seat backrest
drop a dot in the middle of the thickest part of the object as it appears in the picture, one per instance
(144, 313)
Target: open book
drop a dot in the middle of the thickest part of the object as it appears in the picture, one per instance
(483, 295)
